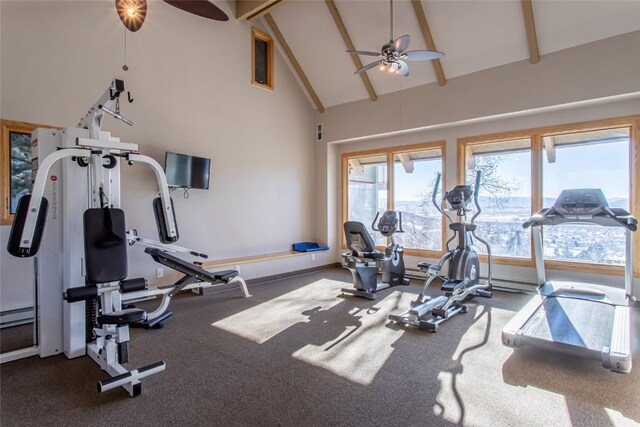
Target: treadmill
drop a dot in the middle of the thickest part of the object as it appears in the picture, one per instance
(581, 319)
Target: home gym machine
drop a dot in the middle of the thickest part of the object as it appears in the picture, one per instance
(364, 261)
(463, 279)
(580, 319)
(82, 253)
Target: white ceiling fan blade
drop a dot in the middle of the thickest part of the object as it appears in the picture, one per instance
(402, 43)
(422, 55)
(404, 68)
(368, 67)
(364, 52)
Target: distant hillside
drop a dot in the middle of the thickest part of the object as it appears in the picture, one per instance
(511, 203)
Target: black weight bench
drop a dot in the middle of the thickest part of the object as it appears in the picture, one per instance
(192, 272)
(195, 277)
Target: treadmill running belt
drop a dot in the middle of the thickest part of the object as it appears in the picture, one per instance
(572, 321)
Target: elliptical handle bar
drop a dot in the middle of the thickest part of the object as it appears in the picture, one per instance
(435, 191)
(440, 207)
(475, 196)
(373, 224)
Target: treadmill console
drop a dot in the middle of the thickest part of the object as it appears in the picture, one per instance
(584, 201)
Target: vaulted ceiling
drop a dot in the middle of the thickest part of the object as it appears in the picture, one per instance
(474, 35)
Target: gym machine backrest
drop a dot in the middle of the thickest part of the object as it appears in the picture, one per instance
(359, 241)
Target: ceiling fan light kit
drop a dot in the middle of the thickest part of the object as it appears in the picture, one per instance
(393, 55)
(133, 12)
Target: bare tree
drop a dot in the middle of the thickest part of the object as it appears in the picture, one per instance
(20, 164)
(500, 189)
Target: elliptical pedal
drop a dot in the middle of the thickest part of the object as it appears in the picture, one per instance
(427, 325)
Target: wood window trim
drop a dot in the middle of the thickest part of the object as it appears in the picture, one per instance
(7, 126)
(389, 152)
(536, 135)
(261, 35)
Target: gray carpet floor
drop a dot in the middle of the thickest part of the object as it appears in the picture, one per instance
(299, 354)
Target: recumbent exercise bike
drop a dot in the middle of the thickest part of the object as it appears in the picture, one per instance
(462, 282)
(364, 261)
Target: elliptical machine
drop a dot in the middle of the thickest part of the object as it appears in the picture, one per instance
(364, 261)
(463, 279)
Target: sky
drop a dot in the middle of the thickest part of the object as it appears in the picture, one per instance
(604, 166)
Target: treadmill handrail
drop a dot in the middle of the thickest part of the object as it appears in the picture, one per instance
(603, 215)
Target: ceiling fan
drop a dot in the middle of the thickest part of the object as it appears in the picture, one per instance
(133, 12)
(394, 54)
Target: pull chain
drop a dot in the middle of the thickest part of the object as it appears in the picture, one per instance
(125, 67)
(391, 33)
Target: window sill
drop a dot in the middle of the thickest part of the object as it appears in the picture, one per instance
(578, 267)
(263, 86)
(583, 267)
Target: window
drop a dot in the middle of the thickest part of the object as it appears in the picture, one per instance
(414, 175)
(595, 159)
(15, 160)
(396, 179)
(505, 195)
(261, 59)
(525, 171)
(368, 191)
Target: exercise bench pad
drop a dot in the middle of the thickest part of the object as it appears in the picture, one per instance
(105, 245)
(189, 269)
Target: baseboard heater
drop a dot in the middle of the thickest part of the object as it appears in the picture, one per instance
(16, 317)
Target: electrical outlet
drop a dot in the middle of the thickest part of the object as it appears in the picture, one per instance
(159, 272)
(313, 257)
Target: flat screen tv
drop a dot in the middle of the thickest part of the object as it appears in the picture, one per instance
(186, 171)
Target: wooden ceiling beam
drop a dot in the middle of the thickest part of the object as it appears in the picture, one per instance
(349, 44)
(428, 40)
(252, 9)
(294, 62)
(532, 38)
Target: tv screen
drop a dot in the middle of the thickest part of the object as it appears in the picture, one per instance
(187, 171)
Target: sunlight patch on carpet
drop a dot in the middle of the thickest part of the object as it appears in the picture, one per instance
(266, 320)
(362, 349)
(617, 419)
(468, 393)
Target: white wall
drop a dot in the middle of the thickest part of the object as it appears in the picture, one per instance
(190, 78)
(592, 71)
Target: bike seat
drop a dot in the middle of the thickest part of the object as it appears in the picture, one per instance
(373, 255)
